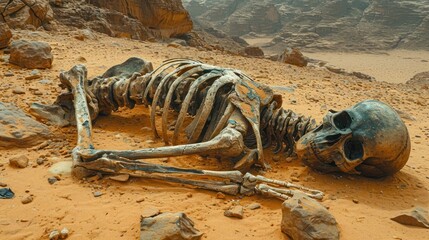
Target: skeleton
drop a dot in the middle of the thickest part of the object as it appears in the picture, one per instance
(234, 117)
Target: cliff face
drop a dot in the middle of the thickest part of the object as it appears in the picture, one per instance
(322, 24)
(166, 16)
(138, 19)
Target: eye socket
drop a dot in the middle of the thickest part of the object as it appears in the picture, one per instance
(342, 120)
(353, 149)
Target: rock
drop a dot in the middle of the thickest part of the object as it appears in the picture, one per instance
(167, 17)
(97, 194)
(235, 212)
(9, 74)
(20, 161)
(294, 57)
(52, 180)
(420, 80)
(18, 90)
(167, 226)
(64, 233)
(27, 199)
(150, 211)
(120, 178)
(31, 54)
(254, 51)
(254, 206)
(417, 217)
(305, 218)
(54, 235)
(84, 34)
(220, 195)
(18, 129)
(35, 74)
(5, 35)
(28, 14)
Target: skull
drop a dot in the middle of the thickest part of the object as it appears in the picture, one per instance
(368, 139)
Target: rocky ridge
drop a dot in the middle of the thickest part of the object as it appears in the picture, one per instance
(324, 24)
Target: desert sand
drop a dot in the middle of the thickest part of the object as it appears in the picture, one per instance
(363, 207)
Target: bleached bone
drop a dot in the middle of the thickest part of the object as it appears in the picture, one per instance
(229, 142)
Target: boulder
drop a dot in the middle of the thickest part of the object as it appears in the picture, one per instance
(5, 35)
(168, 226)
(294, 57)
(305, 218)
(27, 14)
(31, 54)
(420, 80)
(254, 51)
(18, 129)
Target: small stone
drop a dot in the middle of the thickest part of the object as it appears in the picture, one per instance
(150, 211)
(120, 178)
(189, 195)
(52, 180)
(3, 184)
(254, 206)
(294, 179)
(355, 201)
(276, 158)
(27, 199)
(64, 233)
(40, 161)
(35, 74)
(220, 195)
(140, 200)
(81, 59)
(235, 212)
(97, 194)
(20, 161)
(9, 74)
(18, 90)
(54, 235)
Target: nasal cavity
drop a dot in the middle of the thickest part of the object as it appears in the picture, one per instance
(332, 139)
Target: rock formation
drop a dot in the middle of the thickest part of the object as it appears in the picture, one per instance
(324, 24)
(137, 19)
(5, 35)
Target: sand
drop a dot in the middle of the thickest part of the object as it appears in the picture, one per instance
(116, 214)
(396, 66)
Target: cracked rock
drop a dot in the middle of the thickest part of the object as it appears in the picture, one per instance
(167, 226)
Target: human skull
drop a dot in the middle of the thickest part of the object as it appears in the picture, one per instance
(368, 139)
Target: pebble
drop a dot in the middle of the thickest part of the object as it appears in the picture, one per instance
(18, 90)
(120, 178)
(52, 180)
(35, 74)
(254, 206)
(294, 179)
(27, 199)
(355, 201)
(97, 194)
(220, 195)
(40, 161)
(20, 161)
(3, 184)
(140, 200)
(54, 235)
(189, 195)
(9, 74)
(235, 212)
(64, 233)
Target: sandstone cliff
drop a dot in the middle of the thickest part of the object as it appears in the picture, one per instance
(138, 19)
(322, 24)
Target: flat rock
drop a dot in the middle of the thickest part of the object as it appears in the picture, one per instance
(168, 226)
(20, 161)
(305, 218)
(120, 178)
(235, 212)
(19, 130)
(27, 199)
(254, 206)
(31, 54)
(150, 211)
(417, 217)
